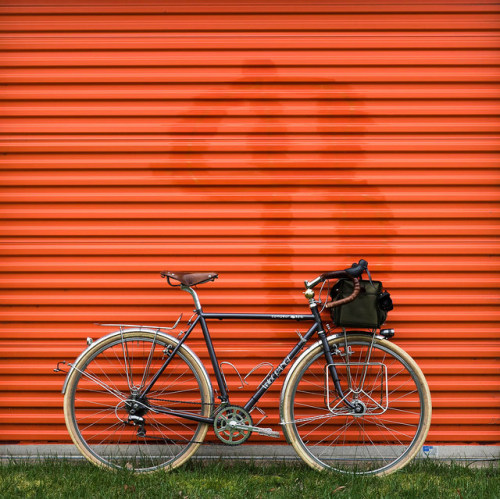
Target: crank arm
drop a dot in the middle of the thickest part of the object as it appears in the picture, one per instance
(267, 432)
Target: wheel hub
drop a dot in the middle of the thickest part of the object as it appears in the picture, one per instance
(137, 405)
(359, 408)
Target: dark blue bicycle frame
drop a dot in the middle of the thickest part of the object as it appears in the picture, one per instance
(271, 378)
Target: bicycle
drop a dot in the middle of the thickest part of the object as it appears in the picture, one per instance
(353, 401)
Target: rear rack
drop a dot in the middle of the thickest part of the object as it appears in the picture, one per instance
(158, 328)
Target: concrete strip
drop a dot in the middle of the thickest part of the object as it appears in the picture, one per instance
(457, 453)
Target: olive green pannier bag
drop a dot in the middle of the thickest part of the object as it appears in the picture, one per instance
(368, 310)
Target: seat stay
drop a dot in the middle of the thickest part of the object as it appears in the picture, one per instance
(170, 357)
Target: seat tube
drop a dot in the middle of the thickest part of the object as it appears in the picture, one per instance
(210, 347)
(224, 397)
(192, 292)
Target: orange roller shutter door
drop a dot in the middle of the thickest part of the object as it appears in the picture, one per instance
(269, 142)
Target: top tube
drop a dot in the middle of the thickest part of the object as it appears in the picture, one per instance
(216, 315)
(250, 315)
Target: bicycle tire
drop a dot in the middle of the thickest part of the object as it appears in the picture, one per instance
(102, 393)
(394, 396)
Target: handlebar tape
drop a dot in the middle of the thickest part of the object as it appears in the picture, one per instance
(347, 299)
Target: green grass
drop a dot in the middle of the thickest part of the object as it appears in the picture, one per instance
(63, 479)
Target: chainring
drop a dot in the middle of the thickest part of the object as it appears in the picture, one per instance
(229, 423)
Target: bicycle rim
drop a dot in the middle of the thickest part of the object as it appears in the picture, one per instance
(113, 426)
(386, 386)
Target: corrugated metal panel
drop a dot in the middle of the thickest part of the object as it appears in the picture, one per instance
(268, 141)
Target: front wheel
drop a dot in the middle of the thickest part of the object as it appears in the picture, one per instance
(380, 423)
(115, 425)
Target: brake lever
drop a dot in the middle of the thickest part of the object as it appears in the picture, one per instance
(365, 265)
(369, 276)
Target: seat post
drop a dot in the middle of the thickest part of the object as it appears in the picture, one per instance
(192, 292)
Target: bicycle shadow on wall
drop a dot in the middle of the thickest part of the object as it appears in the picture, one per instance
(279, 220)
(303, 157)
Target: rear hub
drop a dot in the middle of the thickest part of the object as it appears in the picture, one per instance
(137, 405)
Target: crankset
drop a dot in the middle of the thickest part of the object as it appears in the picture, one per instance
(233, 426)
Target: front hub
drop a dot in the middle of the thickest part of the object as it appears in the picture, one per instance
(359, 408)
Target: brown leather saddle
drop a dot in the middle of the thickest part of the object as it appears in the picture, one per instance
(189, 278)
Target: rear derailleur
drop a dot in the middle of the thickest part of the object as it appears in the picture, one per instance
(136, 408)
(140, 423)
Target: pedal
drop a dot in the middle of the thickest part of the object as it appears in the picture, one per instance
(267, 432)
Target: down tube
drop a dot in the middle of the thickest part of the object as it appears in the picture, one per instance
(279, 370)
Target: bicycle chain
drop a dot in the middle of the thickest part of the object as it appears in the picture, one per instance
(181, 401)
(168, 440)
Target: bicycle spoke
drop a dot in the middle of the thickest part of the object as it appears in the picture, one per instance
(105, 374)
(126, 360)
(395, 432)
(341, 431)
(402, 396)
(145, 376)
(93, 414)
(97, 381)
(416, 413)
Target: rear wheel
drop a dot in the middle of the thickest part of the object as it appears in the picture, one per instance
(114, 425)
(387, 420)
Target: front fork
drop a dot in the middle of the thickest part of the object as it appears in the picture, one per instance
(328, 354)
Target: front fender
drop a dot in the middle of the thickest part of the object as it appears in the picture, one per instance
(159, 334)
